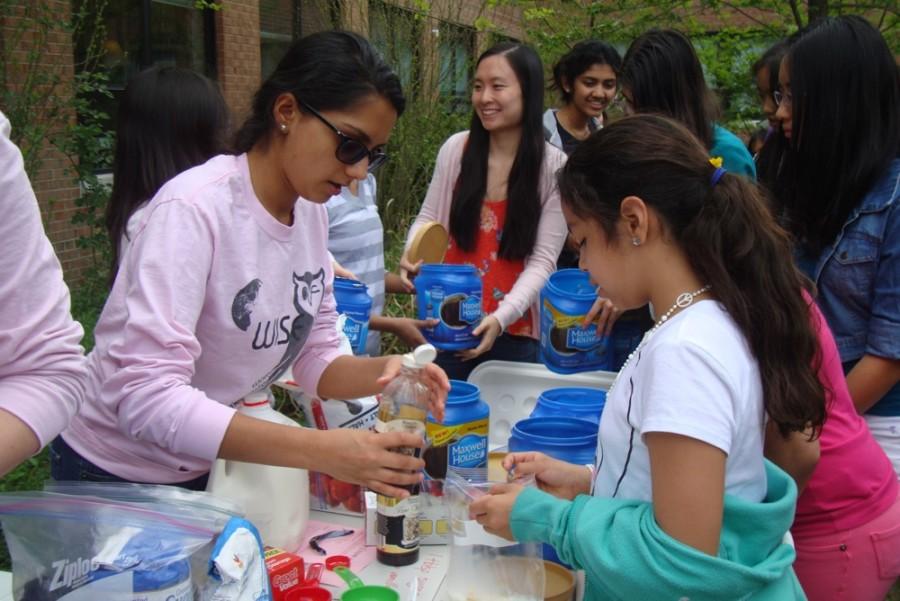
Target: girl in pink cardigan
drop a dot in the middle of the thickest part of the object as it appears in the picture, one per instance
(494, 189)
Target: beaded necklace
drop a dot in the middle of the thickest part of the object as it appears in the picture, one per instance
(684, 300)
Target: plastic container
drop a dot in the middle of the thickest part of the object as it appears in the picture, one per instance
(583, 403)
(452, 294)
(566, 438)
(511, 390)
(353, 301)
(461, 441)
(567, 347)
(275, 499)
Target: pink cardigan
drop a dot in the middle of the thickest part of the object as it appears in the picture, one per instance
(551, 232)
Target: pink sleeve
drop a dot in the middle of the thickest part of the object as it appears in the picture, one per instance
(150, 389)
(551, 236)
(322, 346)
(42, 365)
(436, 206)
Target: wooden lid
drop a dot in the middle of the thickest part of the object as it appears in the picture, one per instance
(429, 243)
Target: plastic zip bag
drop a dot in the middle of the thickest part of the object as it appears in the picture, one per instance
(76, 548)
(485, 567)
(161, 497)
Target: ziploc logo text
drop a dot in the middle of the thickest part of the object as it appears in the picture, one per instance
(69, 574)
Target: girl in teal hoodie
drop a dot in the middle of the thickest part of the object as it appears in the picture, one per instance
(680, 503)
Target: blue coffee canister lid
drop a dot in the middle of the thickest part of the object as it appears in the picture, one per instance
(348, 285)
(566, 438)
(574, 283)
(574, 401)
(463, 403)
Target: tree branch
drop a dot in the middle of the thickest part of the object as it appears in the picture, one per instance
(798, 18)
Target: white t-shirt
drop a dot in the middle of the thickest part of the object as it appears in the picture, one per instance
(695, 376)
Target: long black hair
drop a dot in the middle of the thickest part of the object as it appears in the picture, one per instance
(664, 75)
(770, 158)
(523, 189)
(579, 59)
(730, 238)
(845, 125)
(771, 60)
(327, 70)
(169, 120)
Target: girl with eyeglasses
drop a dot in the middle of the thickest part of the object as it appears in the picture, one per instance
(679, 502)
(493, 188)
(226, 284)
(837, 189)
(662, 74)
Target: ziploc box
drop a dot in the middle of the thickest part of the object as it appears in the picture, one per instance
(327, 493)
(285, 572)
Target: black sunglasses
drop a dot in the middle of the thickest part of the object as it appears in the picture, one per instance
(349, 150)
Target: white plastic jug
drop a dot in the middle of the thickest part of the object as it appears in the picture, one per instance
(275, 499)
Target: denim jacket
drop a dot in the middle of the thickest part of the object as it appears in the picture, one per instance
(858, 279)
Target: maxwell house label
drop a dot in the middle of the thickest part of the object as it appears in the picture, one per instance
(456, 446)
(582, 339)
(470, 310)
(356, 332)
(565, 345)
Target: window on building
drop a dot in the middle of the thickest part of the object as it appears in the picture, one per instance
(397, 34)
(456, 48)
(279, 25)
(143, 33)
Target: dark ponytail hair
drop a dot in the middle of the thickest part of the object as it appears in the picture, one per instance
(663, 74)
(579, 59)
(845, 124)
(169, 120)
(523, 189)
(328, 70)
(731, 241)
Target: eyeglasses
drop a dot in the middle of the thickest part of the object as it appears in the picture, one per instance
(783, 97)
(349, 150)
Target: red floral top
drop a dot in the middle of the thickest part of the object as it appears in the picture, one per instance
(497, 275)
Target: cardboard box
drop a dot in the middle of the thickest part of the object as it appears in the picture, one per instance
(286, 572)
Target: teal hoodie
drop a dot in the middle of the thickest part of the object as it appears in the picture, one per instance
(626, 556)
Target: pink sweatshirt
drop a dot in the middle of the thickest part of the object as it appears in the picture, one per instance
(214, 299)
(854, 482)
(551, 233)
(42, 366)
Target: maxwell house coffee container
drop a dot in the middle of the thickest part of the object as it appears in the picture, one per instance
(460, 442)
(452, 294)
(566, 347)
(353, 301)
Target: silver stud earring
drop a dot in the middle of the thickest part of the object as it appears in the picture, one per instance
(636, 241)
(283, 128)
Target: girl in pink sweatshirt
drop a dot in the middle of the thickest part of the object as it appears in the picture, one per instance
(226, 283)
(42, 368)
(493, 188)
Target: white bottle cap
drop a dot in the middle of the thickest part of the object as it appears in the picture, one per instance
(420, 357)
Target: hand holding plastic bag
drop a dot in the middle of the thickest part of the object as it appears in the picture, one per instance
(483, 566)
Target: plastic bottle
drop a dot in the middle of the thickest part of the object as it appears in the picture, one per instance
(275, 499)
(403, 408)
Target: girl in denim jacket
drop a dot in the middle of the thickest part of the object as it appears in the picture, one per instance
(838, 189)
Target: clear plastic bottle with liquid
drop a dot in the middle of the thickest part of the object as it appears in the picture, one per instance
(403, 408)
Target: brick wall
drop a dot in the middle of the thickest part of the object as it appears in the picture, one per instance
(238, 57)
(54, 183)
